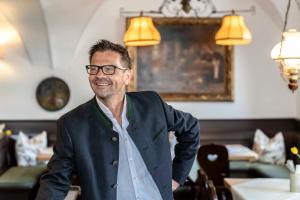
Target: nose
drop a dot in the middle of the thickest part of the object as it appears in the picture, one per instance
(100, 73)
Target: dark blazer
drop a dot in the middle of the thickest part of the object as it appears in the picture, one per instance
(87, 146)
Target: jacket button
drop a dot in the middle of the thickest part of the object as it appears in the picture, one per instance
(114, 139)
(114, 186)
(115, 163)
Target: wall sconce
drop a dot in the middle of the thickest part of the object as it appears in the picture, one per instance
(142, 32)
(287, 54)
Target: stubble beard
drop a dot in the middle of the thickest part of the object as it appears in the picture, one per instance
(108, 93)
(103, 93)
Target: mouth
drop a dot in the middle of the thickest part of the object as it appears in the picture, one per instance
(102, 84)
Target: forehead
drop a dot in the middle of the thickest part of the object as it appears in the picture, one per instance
(106, 57)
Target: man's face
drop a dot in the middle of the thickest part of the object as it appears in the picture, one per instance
(109, 86)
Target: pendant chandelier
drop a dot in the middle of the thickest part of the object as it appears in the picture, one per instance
(287, 54)
(142, 32)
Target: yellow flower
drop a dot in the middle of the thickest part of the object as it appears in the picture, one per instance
(295, 151)
(8, 132)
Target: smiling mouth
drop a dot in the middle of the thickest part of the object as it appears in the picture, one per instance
(102, 84)
(99, 84)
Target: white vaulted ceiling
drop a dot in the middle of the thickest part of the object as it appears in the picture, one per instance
(276, 10)
(27, 17)
(58, 34)
(50, 30)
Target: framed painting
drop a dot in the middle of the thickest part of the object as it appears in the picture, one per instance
(187, 65)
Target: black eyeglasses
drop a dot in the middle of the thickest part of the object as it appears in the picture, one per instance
(106, 69)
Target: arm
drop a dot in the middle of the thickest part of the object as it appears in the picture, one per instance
(187, 130)
(55, 183)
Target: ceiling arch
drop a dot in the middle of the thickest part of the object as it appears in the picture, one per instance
(66, 21)
(49, 30)
(28, 20)
(276, 10)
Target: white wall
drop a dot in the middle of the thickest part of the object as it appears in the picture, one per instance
(259, 90)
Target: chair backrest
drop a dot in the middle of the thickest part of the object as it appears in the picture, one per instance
(213, 159)
(205, 188)
(223, 193)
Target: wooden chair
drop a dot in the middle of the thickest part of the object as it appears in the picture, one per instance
(223, 193)
(205, 189)
(213, 159)
(186, 191)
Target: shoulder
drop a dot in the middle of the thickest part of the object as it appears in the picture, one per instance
(79, 113)
(143, 95)
(145, 99)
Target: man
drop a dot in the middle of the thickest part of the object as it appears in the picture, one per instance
(117, 143)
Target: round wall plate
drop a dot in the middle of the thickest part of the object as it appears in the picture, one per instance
(52, 94)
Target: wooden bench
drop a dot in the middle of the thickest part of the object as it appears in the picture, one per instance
(16, 182)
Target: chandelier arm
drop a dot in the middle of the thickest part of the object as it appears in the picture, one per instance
(196, 13)
(162, 5)
(177, 13)
(250, 10)
(124, 13)
(214, 8)
(166, 6)
(169, 8)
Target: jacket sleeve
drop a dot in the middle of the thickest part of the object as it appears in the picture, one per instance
(55, 183)
(187, 131)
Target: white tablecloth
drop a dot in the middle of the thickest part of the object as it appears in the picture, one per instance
(261, 189)
(240, 152)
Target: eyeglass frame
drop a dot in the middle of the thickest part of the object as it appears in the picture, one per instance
(102, 66)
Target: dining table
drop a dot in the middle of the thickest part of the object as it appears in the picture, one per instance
(260, 189)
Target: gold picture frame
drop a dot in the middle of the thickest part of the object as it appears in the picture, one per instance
(187, 65)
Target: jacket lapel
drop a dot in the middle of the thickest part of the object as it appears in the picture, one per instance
(138, 138)
(130, 116)
(98, 119)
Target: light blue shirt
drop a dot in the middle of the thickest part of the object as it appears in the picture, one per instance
(134, 180)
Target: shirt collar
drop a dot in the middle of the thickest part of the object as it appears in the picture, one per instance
(108, 113)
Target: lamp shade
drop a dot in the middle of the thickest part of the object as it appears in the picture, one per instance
(287, 53)
(289, 56)
(233, 31)
(141, 32)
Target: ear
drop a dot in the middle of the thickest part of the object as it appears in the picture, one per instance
(127, 75)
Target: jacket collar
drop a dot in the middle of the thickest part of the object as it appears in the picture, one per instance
(102, 116)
